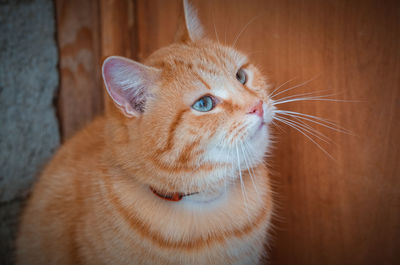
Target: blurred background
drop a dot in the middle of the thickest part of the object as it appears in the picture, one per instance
(338, 200)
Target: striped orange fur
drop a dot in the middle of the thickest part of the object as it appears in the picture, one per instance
(95, 202)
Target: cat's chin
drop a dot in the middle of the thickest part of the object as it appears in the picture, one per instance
(259, 131)
(257, 145)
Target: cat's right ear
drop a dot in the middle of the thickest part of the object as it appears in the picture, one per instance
(128, 82)
(190, 28)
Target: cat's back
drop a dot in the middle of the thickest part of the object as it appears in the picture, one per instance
(55, 206)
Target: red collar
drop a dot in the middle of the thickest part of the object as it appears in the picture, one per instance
(174, 197)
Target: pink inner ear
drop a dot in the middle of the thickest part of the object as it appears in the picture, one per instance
(126, 84)
(109, 69)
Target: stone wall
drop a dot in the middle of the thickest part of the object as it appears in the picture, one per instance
(29, 132)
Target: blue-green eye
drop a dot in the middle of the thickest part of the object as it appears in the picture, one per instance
(204, 104)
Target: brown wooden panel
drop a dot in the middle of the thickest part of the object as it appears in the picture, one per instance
(118, 28)
(118, 31)
(80, 95)
(88, 32)
(157, 21)
(344, 210)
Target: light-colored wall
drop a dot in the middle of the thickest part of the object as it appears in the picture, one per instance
(29, 132)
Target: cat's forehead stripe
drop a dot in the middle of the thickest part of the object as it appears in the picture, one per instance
(199, 66)
(204, 58)
(203, 81)
(206, 69)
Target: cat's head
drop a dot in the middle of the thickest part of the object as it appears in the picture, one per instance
(193, 114)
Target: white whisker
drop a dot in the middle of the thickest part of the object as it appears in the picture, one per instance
(309, 130)
(312, 140)
(245, 200)
(310, 116)
(299, 85)
(277, 125)
(305, 94)
(248, 151)
(248, 169)
(314, 94)
(215, 29)
(321, 121)
(276, 89)
(243, 29)
(312, 99)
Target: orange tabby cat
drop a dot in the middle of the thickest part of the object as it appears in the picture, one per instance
(172, 174)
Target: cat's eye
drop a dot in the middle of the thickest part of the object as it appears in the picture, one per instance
(241, 76)
(204, 104)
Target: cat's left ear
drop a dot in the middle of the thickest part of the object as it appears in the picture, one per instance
(128, 83)
(190, 28)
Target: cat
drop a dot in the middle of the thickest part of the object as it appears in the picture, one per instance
(172, 173)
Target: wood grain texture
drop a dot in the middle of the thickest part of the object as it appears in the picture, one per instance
(88, 32)
(80, 95)
(118, 31)
(118, 28)
(344, 210)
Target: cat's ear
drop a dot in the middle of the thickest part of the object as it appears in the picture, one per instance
(127, 82)
(190, 28)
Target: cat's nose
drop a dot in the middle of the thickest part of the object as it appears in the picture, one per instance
(257, 109)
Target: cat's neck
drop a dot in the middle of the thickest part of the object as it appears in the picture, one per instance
(237, 184)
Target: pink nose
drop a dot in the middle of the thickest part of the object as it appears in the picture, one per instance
(257, 109)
